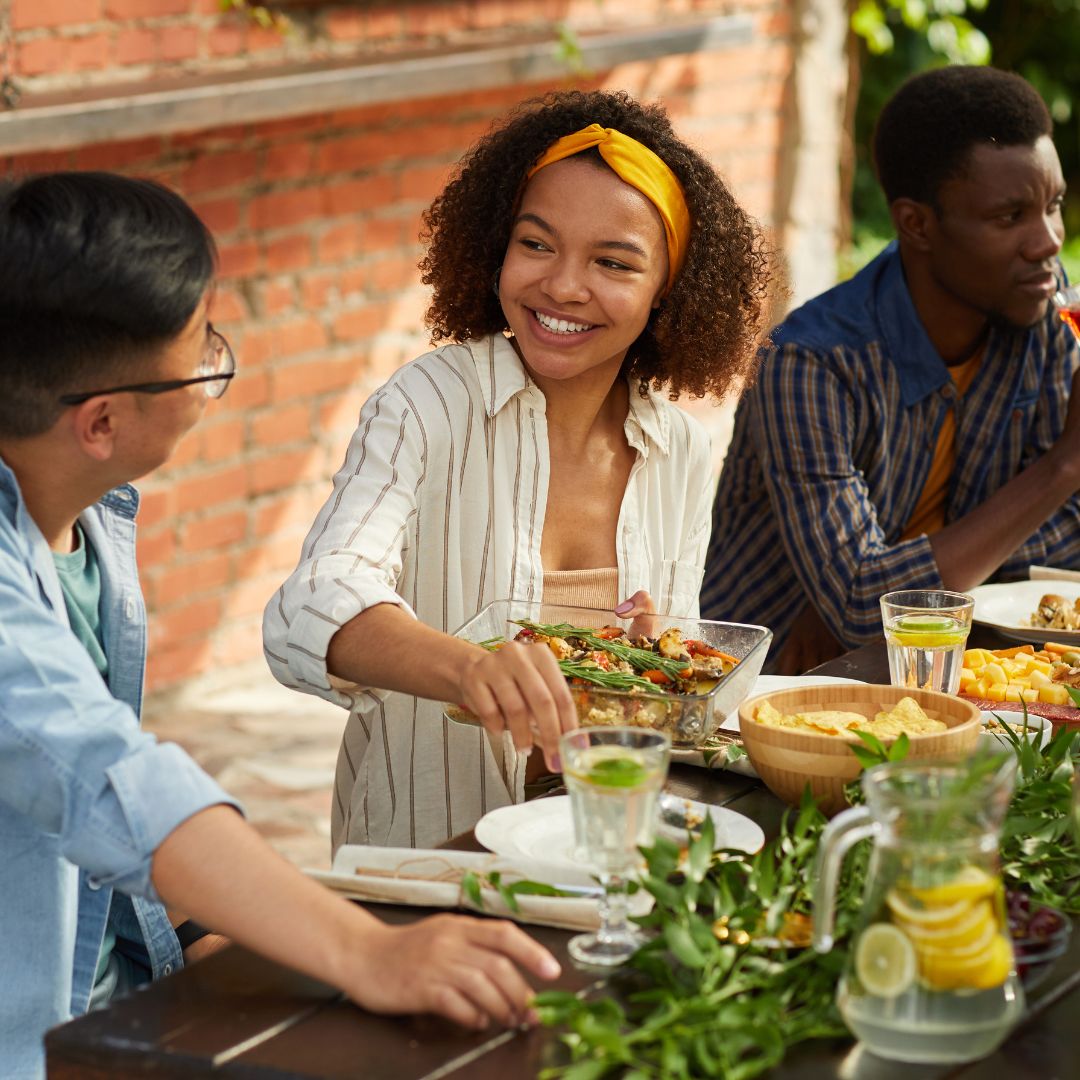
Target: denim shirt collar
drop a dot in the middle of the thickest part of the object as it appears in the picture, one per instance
(919, 367)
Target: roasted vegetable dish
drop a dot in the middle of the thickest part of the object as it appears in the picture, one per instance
(608, 657)
(659, 682)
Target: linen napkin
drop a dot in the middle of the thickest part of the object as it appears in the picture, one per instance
(1052, 573)
(433, 878)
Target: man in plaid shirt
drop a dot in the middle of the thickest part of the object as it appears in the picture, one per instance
(910, 428)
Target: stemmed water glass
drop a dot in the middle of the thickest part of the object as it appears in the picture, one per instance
(613, 775)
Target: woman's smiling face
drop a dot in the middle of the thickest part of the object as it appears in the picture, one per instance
(586, 264)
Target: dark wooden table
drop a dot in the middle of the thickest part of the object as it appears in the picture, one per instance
(235, 1015)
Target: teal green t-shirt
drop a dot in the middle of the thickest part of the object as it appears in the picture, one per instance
(80, 580)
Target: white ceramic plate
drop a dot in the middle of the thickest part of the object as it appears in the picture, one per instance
(1004, 607)
(765, 684)
(543, 830)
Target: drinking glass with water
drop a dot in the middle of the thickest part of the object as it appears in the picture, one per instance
(926, 631)
(613, 776)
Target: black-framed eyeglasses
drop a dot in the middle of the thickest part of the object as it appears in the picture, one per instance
(217, 368)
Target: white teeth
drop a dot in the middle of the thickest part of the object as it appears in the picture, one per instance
(560, 326)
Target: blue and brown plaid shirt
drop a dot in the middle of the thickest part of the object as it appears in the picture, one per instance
(833, 444)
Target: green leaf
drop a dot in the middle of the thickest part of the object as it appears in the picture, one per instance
(683, 946)
(588, 1070)
(899, 749)
(700, 855)
(470, 886)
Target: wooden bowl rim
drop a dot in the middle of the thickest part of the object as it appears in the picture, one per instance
(794, 736)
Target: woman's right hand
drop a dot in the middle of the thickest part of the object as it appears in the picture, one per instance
(519, 688)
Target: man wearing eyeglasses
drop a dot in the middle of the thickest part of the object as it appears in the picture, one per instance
(107, 359)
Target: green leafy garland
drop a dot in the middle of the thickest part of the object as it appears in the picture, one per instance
(719, 992)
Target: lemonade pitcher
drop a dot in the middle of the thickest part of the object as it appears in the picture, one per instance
(930, 976)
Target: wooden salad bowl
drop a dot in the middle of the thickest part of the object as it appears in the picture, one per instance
(788, 759)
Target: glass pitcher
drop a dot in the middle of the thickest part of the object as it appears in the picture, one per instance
(930, 976)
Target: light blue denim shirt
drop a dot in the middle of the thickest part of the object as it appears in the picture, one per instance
(85, 796)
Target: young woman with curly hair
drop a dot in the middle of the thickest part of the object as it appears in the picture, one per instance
(585, 263)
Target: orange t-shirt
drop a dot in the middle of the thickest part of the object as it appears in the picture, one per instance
(929, 513)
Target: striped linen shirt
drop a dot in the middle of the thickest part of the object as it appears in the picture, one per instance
(832, 447)
(439, 508)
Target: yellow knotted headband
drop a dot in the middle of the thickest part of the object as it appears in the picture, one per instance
(638, 166)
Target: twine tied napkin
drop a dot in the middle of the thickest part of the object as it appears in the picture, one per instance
(433, 878)
(1052, 573)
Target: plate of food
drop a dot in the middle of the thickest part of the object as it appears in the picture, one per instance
(1036, 729)
(1030, 611)
(681, 676)
(544, 830)
(1038, 679)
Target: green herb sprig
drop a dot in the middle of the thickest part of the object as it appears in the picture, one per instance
(639, 659)
(472, 884)
(715, 993)
(696, 1002)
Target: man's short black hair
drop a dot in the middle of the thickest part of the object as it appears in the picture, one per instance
(928, 128)
(97, 272)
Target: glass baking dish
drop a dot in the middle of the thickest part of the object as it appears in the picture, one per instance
(688, 718)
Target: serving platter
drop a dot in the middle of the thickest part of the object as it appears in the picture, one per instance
(1004, 607)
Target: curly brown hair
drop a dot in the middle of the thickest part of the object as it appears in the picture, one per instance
(702, 339)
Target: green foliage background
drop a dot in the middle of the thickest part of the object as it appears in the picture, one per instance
(1040, 39)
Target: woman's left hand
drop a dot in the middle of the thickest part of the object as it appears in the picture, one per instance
(641, 609)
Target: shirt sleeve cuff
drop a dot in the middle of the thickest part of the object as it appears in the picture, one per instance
(155, 789)
(330, 607)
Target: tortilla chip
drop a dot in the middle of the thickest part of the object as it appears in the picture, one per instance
(905, 716)
(829, 721)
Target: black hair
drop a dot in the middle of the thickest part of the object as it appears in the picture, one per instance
(927, 130)
(97, 272)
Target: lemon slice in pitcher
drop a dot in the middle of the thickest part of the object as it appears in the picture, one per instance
(970, 884)
(885, 961)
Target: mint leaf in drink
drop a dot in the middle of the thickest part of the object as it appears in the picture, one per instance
(622, 772)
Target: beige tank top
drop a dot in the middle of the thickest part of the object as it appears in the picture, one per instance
(597, 588)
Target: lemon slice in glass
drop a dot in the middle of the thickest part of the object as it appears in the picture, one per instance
(927, 631)
(885, 961)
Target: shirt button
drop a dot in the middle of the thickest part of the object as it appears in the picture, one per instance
(129, 608)
(93, 884)
(167, 969)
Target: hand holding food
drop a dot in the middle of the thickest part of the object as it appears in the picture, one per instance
(519, 688)
(615, 677)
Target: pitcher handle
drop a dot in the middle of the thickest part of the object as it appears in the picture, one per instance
(840, 835)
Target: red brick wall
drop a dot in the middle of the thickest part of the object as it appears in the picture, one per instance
(317, 219)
